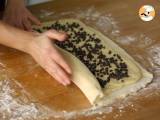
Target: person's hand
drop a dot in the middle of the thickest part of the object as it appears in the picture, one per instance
(17, 15)
(42, 50)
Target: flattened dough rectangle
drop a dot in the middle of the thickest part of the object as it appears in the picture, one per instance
(137, 78)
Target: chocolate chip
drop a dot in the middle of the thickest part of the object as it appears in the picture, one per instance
(89, 49)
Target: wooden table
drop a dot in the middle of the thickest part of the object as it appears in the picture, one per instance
(50, 93)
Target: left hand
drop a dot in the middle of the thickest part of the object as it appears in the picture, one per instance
(16, 14)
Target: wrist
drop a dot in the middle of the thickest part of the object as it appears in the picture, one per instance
(28, 44)
(16, 38)
(25, 41)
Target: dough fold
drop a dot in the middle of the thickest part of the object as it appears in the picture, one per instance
(87, 82)
(83, 78)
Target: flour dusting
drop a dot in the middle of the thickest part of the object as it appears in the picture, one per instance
(154, 52)
(137, 40)
(126, 40)
(102, 21)
(45, 13)
(17, 104)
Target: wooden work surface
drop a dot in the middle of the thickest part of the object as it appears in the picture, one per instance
(50, 93)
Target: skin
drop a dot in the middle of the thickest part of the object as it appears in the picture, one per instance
(17, 15)
(38, 46)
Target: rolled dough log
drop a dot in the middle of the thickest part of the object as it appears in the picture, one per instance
(87, 82)
(83, 78)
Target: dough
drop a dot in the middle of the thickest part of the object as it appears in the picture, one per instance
(82, 75)
(121, 76)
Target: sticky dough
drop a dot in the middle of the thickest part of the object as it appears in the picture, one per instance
(89, 85)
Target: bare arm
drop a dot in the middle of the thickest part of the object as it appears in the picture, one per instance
(40, 48)
(14, 38)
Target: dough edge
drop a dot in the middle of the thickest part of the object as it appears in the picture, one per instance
(83, 78)
(97, 93)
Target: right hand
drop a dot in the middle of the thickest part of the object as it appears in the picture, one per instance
(17, 15)
(43, 51)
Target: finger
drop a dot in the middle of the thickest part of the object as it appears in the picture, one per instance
(53, 34)
(53, 72)
(19, 25)
(55, 76)
(57, 57)
(34, 19)
(65, 78)
(27, 25)
(60, 72)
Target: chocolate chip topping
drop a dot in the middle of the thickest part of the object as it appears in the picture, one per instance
(89, 49)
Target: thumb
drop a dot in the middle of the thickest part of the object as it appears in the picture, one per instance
(53, 34)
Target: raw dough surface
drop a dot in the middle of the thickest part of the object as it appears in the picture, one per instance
(87, 82)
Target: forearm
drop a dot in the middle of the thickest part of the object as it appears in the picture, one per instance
(14, 38)
(40, 48)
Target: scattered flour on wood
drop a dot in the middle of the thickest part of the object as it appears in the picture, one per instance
(45, 13)
(154, 52)
(138, 40)
(15, 102)
(102, 21)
